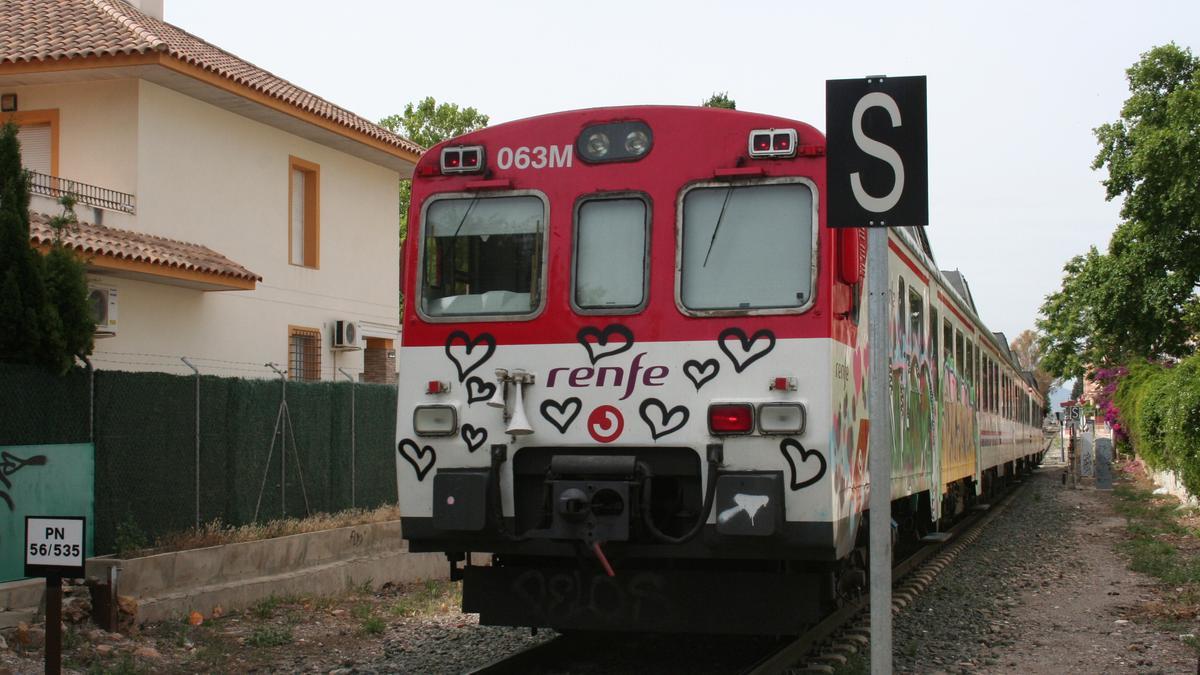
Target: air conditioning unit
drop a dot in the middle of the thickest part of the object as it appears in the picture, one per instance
(346, 335)
(103, 301)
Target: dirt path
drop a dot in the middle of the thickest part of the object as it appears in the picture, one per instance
(1086, 613)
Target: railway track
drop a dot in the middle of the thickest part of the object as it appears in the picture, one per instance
(821, 649)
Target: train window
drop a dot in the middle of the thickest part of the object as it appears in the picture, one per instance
(985, 378)
(968, 364)
(916, 317)
(901, 315)
(610, 254)
(934, 332)
(747, 247)
(960, 360)
(482, 256)
(948, 342)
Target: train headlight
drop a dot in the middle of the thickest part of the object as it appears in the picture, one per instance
(730, 418)
(636, 142)
(615, 142)
(781, 418)
(435, 420)
(597, 145)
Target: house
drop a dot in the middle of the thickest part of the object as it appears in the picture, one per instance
(226, 215)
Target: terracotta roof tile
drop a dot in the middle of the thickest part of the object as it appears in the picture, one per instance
(135, 246)
(44, 30)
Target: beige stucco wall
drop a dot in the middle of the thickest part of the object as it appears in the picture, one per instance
(97, 129)
(206, 175)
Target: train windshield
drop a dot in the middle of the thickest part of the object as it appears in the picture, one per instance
(747, 247)
(482, 256)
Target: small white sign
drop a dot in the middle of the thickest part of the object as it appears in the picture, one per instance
(54, 542)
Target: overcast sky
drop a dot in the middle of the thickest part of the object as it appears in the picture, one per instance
(1015, 88)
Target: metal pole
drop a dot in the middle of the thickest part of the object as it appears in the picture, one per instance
(880, 463)
(197, 372)
(282, 441)
(53, 624)
(353, 446)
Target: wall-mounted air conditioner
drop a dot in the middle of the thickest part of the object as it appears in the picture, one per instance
(103, 301)
(346, 335)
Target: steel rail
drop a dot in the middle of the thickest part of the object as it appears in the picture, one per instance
(796, 651)
(801, 648)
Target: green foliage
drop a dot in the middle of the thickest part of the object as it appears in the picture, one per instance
(24, 322)
(270, 636)
(44, 313)
(720, 99)
(374, 625)
(130, 537)
(1160, 409)
(1139, 299)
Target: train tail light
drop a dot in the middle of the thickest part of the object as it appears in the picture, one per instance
(730, 418)
(773, 143)
(463, 159)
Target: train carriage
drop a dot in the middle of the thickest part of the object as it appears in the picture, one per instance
(633, 370)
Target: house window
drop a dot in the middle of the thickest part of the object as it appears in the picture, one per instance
(38, 133)
(304, 212)
(304, 354)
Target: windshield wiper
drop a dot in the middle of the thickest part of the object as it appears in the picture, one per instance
(462, 222)
(717, 227)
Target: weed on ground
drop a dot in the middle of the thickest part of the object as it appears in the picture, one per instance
(1162, 542)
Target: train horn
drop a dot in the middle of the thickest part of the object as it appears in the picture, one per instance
(499, 398)
(519, 424)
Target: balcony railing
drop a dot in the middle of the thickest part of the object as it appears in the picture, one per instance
(91, 195)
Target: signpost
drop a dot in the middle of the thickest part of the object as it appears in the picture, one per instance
(878, 177)
(54, 548)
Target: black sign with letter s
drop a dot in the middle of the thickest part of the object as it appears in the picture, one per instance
(878, 159)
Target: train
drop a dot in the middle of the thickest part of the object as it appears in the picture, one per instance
(634, 391)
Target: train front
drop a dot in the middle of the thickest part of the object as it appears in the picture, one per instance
(625, 372)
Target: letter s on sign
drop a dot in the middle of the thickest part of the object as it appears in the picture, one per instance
(882, 151)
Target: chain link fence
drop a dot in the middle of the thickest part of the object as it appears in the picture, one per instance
(163, 464)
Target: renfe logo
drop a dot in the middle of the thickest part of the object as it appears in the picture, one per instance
(586, 376)
(605, 424)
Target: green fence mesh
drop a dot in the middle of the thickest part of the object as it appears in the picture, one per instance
(329, 448)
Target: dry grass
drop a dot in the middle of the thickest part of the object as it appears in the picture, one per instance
(216, 532)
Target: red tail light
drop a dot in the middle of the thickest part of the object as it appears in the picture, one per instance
(731, 418)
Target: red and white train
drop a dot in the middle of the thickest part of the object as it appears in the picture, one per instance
(634, 371)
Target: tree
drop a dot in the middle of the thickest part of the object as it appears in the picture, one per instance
(428, 123)
(1138, 299)
(44, 312)
(1029, 355)
(23, 318)
(720, 99)
(67, 291)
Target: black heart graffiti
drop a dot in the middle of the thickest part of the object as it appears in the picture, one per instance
(665, 421)
(473, 436)
(478, 390)
(422, 458)
(598, 347)
(797, 455)
(561, 415)
(700, 372)
(751, 349)
(471, 359)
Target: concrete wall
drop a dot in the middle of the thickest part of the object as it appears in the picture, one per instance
(205, 175)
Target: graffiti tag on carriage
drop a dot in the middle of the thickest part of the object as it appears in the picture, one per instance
(570, 595)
